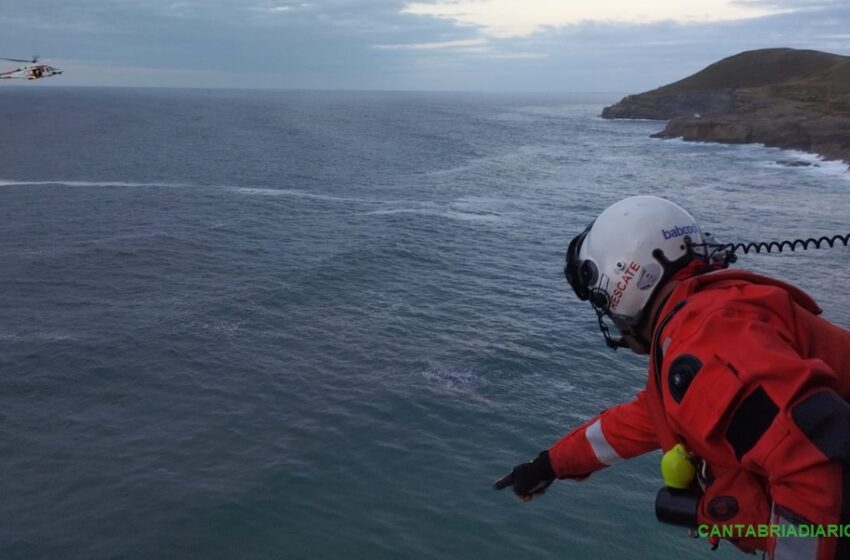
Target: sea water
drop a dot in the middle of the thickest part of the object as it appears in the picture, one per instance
(319, 325)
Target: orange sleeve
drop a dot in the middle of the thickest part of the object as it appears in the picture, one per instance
(621, 432)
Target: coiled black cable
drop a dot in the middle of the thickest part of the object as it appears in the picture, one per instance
(778, 246)
(726, 252)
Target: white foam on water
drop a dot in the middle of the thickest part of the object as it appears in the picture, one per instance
(473, 216)
(249, 191)
(44, 336)
(13, 183)
(483, 205)
(625, 120)
(219, 326)
(772, 157)
(453, 380)
(444, 213)
(294, 193)
(467, 209)
(560, 385)
(501, 159)
(818, 164)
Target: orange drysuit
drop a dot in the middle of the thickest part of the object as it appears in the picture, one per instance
(746, 375)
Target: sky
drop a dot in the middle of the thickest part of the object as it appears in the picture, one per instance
(447, 45)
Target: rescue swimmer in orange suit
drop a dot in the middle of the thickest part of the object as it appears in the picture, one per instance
(742, 373)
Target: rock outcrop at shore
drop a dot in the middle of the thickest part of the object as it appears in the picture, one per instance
(785, 98)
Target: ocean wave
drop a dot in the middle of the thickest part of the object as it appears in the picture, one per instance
(485, 204)
(500, 160)
(264, 191)
(245, 190)
(450, 214)
(468, 209)
(14, 183)
(43, 336)
(813, 164)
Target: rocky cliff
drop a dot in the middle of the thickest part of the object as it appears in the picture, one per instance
(785, 98)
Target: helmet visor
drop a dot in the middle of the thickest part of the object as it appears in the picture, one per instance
(580, 274)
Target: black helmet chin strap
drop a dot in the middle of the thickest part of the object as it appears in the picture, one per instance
(600, 302)
(610, 342)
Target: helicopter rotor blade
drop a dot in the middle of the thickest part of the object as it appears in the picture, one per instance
(32, 60)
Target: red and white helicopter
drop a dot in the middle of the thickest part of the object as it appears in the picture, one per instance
(33, 70)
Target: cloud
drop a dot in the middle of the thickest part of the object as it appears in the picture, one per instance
(384, 44)
(460, 43)
(508, 18)
(479, 47)
(517, 55)
(790, 4)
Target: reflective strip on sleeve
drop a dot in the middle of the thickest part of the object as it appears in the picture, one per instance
(604, 452)
(793, 548)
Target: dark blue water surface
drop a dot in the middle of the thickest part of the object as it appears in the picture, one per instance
(318, 325)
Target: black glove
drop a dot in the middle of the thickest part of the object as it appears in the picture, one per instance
(529, 479)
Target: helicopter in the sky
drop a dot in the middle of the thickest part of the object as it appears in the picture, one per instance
(33, 70)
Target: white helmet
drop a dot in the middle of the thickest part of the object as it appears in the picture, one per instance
(624, 255)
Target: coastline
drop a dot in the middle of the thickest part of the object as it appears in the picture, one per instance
(781, 98)
(795, 135)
